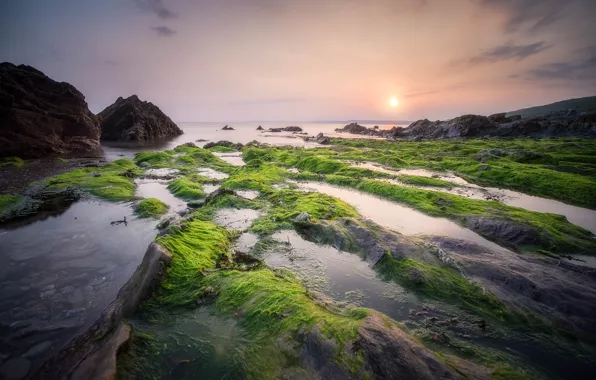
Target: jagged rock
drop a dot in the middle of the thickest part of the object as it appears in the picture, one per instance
(259, 128)
(41, 117)
(227, 128)
(224, 143)
(133, 119)
(292, 128)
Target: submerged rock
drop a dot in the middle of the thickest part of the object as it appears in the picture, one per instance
(292, 128)
(132, 119)
(505, 230)
(227, 128)
(41, 117)
(259, 128)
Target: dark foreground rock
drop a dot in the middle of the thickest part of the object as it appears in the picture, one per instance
(41, 117)
(132, 119)
(92, 354)
(560, 124)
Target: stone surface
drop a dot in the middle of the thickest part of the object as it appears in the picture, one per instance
(132, 119)
(389, 353)
(227, 128)
(41, 117)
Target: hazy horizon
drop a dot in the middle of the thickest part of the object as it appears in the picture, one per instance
(333, 60)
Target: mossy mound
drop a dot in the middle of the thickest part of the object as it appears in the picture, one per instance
(151, 207)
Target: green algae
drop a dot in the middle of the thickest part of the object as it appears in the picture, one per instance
(184, 158)
(111, 182)
(12, 161)
(444, 284)
(562, 169)
(151, 207)
(222, 149)
(253, 177)
(417, 180)
(7, 201)
(186, 188)
(196, 247)
(287, 204)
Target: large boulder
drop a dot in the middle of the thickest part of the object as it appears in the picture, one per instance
(353, 128)
(41, 117)
(132, 119)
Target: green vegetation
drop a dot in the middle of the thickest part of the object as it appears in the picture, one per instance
(186, 188)
(7, 201)
(196, 247)
(12, 161)
(443, 284)
(259, 177)
(151, 207)
(556, 233)
(222, 149)
(184, 158)
(563, 169)
(417, 180)
(287, 204)
(112, 182)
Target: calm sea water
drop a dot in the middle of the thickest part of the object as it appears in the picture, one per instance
(242, 133)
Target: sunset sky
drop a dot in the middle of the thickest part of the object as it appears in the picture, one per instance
(234, 60)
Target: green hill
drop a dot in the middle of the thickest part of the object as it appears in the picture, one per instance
(587, 104)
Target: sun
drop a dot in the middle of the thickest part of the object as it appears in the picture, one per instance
(393, 102)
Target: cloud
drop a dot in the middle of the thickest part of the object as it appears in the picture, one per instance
(533, 14)
(506, 52)
(157, 7)
(268, 101)
(163, 31)
(583, 68)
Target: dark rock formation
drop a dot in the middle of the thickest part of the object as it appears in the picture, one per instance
(559, 124)
(354, 128)
(276, 130)
(224, 143)
(259, 128)
(357, 129)
(227, 128)
(132, 119)
(91, 355)
(41, 117)
(389, 353)
(292, 128)
(319, 139)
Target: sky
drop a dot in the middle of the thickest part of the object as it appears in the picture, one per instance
(240, 60)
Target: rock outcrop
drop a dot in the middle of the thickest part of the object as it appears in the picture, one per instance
(227, 128)
(357, 129)
(559, 124)
(132, 119)
(41, 117)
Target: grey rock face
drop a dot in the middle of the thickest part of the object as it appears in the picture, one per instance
(41, 117)
(132, 119)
